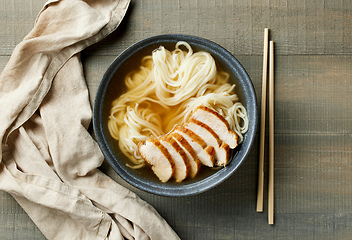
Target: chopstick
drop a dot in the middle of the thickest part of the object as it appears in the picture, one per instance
(262, 126)
(268, 53)
(271, 136)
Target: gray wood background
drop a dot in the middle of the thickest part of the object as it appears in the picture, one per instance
(313, 113)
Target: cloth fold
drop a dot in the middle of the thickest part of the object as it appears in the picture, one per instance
(48, 160)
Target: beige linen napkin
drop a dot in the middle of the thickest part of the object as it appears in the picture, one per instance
(48, 160)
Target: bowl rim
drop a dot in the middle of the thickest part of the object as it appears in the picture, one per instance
(214, 179)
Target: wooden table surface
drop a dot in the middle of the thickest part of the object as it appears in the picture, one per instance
(313, 113)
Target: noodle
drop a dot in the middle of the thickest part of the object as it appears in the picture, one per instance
(164, 91)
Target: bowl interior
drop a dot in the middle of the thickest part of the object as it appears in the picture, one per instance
(112, 85)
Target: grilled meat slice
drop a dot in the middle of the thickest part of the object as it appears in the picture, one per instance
(154, 153)
(178, 156)
(222, 149)
(193, 161)
(204, 153)
(217, 123)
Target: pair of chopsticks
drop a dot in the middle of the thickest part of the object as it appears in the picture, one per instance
(268, 54)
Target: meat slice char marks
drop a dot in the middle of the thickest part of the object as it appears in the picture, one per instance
(217, 123)
(204, 153)
(192, 158)
(155, 154)
(222, 149)
(205, 139)
(178, 157)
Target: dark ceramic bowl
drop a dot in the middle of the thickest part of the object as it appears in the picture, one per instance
(112, 85)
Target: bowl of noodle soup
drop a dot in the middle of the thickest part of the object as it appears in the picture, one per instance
(154, 85)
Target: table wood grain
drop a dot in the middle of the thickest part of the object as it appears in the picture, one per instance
(313, 113)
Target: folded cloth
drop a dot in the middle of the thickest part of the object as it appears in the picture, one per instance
(48, 160)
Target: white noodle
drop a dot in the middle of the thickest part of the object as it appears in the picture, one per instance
(164, 91)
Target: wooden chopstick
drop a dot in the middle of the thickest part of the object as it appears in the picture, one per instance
(271, 129)
(271, 135)
(262, 124)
